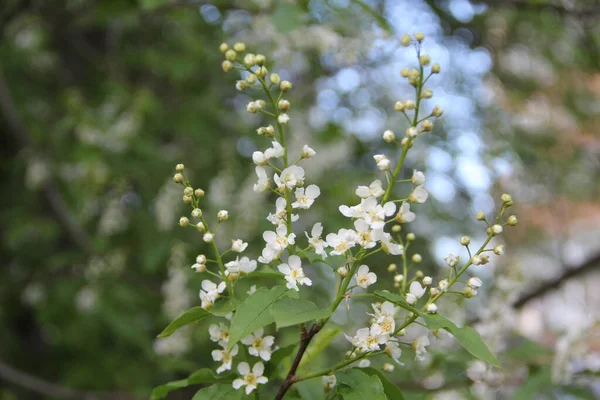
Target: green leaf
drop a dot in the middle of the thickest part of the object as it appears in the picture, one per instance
(224, 307)
(398, 300)
(391, 391)
(319, 343)
(277, 360)
(353, 384)
(311, 389)
(254, 312)
(218, 392)
(288, 312)
(535, 384)
(333, 261)
(194, 314)
(152, 4)
(204, 375)
(467, 337)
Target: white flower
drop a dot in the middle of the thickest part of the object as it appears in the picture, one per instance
(432, 308)
(315, 240)
(364, 278)
(307, 152)
(368, 209)
(416, 292)
(474, 282)
(364, 236)
(279, 218)
(305, 199)
(259, 158)
(238, 245)
(342, 241)
(219, 333)
(290, 177)
(427, 280)
(385, 316)
(384, 239)
(252, 107)
(223, 215)
(263, 180)
(393, 350)
(451, 260)
(382, 162)
(419, 346)
(268, 255)
(240, 266)
(201, 259)
(419, 195)
(279, 239)
(210, 292)
(283, 118)
(226, 357)
(404, 214)
(374, 189)
(208, 237)
(277, 151)
(259, 346)
(443, 285)
(364, 363)
(250, 379)
(329, 382)
(418, 178)
(368, 339)
(199, 267)
(294, 274)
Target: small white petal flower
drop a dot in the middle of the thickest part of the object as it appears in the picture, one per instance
(316, 241)
(238, 245)
(432, 308)
(443, 285)
(240, 266)
(290, 177)
(219, 333)
(307, 152)
(329, 382)
(210, 292)
(404, 214)
(385, 316)
(383, 163)
(419, 345)
(263, 180)
(342, 241)
(393, 350)
(259, 346)
(364, 235)
(294, 274)
(201, 259)
(259, 158)
(283, 118)
(280, 215)
(306, 198)
(364, 278)
(276, 151)
(474, 282)
(368, 339)
(250, 379)
(375, 189)
(226, 357)
(419, 195)
(279, 240)
(416, 291)
(418, 178)
(451, 260)
(385, 240)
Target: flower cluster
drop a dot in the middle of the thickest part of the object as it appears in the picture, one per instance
(377, 221)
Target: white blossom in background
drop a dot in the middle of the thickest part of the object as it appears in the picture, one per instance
(416, 291)
(263, 180)
(250, 379)
(290, 178)
(219, 333)
(258, 345)
(306, 198)
(392, 349)
(315, 240)
(369, 210)
(368, 339)
(375, 189)
(226, 357)
(210, 292)
(279, 217)
(276, 151)
(365, 237)
(404, 214)
(364, 278)
(385, 240)
(342, 241)
(294, 274)
(238, 245)
(419, 345)
(419, 195)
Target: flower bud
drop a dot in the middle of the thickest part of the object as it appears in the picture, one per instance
(412, 132)
(399, 106)
(405, 40)
(251, 79)
(474, 282)
(480, 216)
(342, 271)
(179, 167)
(424, 60)
(198, 267)
(201, 259)
(223, 47)
(396, 285)
(183, 221)
(433, 292)
(178, 178)
(270, 130)
(432, 308)
(283, 119)
(242, 85)
(437, 111)
(232, 277)
(285, 86)
(196, 213)
(497, 229)
(199, 193)
(392, 267)
(427, 281)
(443, 285)
(416, 258)
(427, 126)
(435, 68)
(475, 260)
(419, 274)
(249, 60)
(239, 47)
(427, 94)
(419, 36)
(200, 226)
(410, 236)
(261, 72)
(396, 228)
(252, 107)
(469, 292)
(283, 105)
(223, 215)
(188, 191)
(187, 199)
(404, 73)
(409, 104)
(275, 79)
(512, 220)
(398, 278)
(208, 237)
(260, 59)
(387, 367)
(465, 240)
(388, 136)
(230, 55)
(227, 66)
(507, 200)
(484, 258)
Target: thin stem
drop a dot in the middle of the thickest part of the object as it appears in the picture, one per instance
(340, 365)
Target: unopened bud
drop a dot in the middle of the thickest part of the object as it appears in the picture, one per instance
(187, 199)
(387, 367)
(249, 60)
(419, 36)
(427, 94)
(433, 292)
(392, 267)
(484, 258)
(230, 55)
(398, 278)
(435, 68)
(405, 72)
(227, 66)
(469, 292)
(512, 220)
(208, 237)
(251, 79)
(410, 236)
(188, 191)
(183, 221)
(285, 86)
(427, 281)
(223, 215)
(200, 226)
(275, 79)
(239, 47)
(432, 308)
(283, 105)
(388, 136)
(396, 228)
(427, 126)
(178, 178)
(465, 240)
(416, 258)
(232, 277)
(179, 167)
(343, 271)
(497, 229)
(480, 216)
(412, 132)
(475, 260)
(196, 213)
(260, 59)
(419, 274)
(405, 40)
(437, 111)
(399, 106)
(507, 200)
(424, 60)
(223, 47)
(199, 193)
(409, 104)
(499, 250)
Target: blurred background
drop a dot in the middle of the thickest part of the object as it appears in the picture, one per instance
(100, 99)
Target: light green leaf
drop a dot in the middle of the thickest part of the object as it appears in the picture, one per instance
(204, 375)
(152, 4)
(218, 392)
(391, 391)
(398, 300)
(288, 312)
(319, 343)
(467, 337)
(311, 389)
(353, 384)
(224, 307)
(254, 313)
(194, 314)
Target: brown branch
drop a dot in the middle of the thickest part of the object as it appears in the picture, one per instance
(49, 189)
(305, 338)
(49, 389)
(570, 272)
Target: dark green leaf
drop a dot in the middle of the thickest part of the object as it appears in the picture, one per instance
(204, 375)
(397, 299)
(254, 313)
(353, 384)
(391, 391)
(194, 314)
(311, 389)
(224, 307)
(218, 392)
(288, 312)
